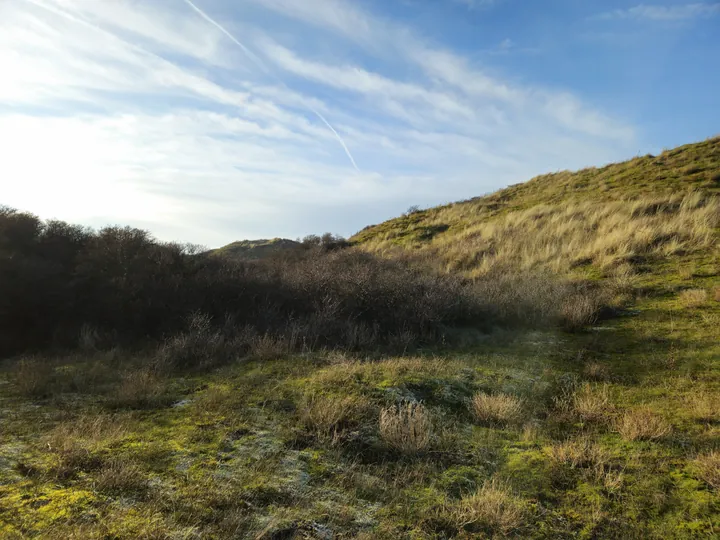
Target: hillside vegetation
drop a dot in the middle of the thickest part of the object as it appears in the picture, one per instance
(543, 362)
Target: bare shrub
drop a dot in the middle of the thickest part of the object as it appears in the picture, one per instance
(89, 338)
(493, 507)
(406, 428)
(268, 347)
(692, 298)
(497, 409)
(708, 467)
(200, 346)
(34, 377)
(642, 424)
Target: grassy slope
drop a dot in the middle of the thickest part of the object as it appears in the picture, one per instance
(290, 446)
(691, 167)
(256, 249)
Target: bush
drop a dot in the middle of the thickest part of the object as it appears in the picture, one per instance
(497, 409)
(406, 428)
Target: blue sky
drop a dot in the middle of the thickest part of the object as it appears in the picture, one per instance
(220, 120)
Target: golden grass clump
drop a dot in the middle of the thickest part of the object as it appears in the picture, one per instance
(577, 453)
(692, 298)
(592, 403)
(121, 476)
(642, 424)
(497, 408)
(708, 466)
(492, 507)
(406, 428)
(326, 414)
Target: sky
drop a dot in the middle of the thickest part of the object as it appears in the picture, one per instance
(209, 121)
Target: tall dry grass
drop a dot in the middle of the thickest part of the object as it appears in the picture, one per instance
(560, 237)
(406, 428)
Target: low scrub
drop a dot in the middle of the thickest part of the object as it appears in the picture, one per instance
(406, 428)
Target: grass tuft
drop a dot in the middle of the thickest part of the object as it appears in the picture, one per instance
(497, 409)
(493, 508)
(642, 424)
(406, 428)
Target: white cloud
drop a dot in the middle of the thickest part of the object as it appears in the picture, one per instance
(143, 113)
(650, 12)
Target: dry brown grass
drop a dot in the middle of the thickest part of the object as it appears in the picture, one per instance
(589, 403)
(140, 389)
(705, 405)
(716, 294)
(609, 234)
(642, 424)
(577, 453)
(406, 428)
(34, 377)
(493, 507)
(120, 476)
(592, 403)
(497, 409)
(326, 415)
(692, 298)
(708, 466)
(76, 443)
(596, 371)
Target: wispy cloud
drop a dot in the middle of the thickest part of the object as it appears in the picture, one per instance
(146, 113)
(667, 13)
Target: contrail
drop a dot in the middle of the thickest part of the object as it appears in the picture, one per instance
(260, 64)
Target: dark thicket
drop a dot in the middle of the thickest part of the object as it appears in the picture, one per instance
(57, 278)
